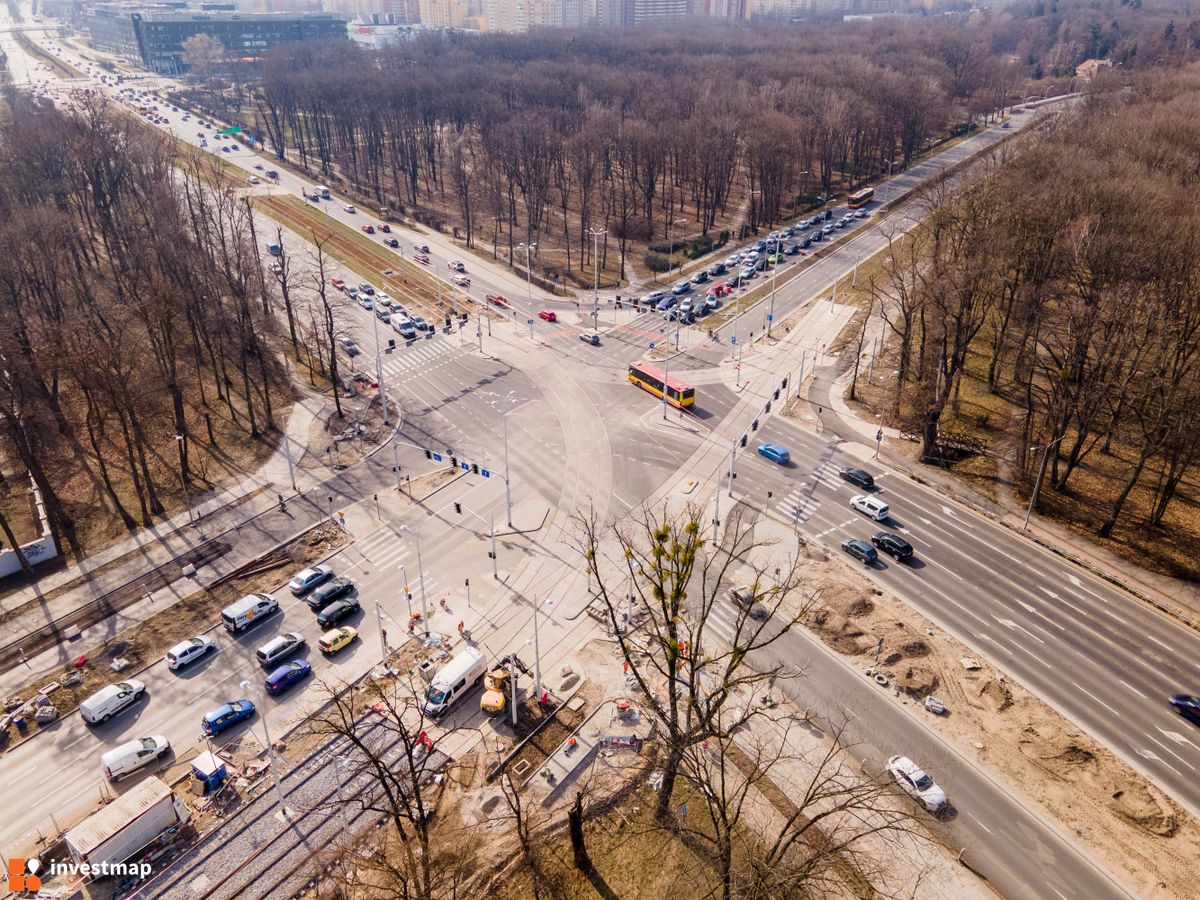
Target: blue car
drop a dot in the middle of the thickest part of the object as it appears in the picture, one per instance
(774, 452)
(226, 716)
(287, 675)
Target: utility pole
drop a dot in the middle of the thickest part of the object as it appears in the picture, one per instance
(537, 658)
(507, 482)
(529, 282)
(1037, 483)
(495, 574)
(283, 811)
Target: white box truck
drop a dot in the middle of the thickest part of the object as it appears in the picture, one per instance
(128, 824)
(454, 679)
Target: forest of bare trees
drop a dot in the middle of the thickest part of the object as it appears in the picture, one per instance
(664, 139)
(136, 346)
(1066, 283)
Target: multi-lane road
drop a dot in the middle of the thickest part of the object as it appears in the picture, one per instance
(579, 433)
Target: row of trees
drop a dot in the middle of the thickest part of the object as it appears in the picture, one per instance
(136, 330)
(1072, 269)
(644, 134)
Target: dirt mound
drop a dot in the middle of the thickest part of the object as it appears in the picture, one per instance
(915, 649)
(860, 607)
(917, 681)
(996, 694)
(1061, 751)
(1145, 807)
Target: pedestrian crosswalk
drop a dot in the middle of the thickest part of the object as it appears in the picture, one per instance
(828, 474)
(801, 502)
(422, 354)
(385, 550)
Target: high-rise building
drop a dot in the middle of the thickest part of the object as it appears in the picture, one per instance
(442, 13)
(654, 12)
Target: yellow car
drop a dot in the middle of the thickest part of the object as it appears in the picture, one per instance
(336, 638)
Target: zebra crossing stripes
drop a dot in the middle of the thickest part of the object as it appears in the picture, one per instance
(385, 549)
(828, 474)
(798, 505)
(421, 353)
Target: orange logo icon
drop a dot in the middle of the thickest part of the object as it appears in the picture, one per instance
(22, 875)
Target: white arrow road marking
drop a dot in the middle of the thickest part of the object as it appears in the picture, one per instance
(1035, 611)
(1009, 623)
(1172, 752)
(1175, 736)
(1075, 581)
(949, 513)
(1151, 755)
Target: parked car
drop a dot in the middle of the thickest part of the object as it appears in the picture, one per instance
(336, 638)
(187, 652)
(654, 297)
(858, 477)
(700, 277)
(681, 287)
(666, 303)
(893, 545)
(861, 550)
(131, 756)
(915, 781)
(110, 700)
(328, 592)
(747, 274)
(337, 610)
(287, 675)
(775, 453)
(717, 270)
(226, 716)
(461, 280)
(870, 506)
(745, 598)
(365, 302)
(307, 579)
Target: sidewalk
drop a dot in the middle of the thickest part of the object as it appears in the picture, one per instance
(1175, 596)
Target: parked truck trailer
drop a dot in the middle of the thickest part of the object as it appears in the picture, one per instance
(127, 825)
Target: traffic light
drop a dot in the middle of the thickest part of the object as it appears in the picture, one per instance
(475, 468)
(776, 393)
(392, 343)
(743, 440)
(454, 462)
(428, 454)
(754, 425)
(447, 321)
(767, 408)
(491, 555)
(784, 384)
(458, 508)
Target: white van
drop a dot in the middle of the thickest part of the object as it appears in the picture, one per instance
(876, 509)
(133, 755)
(250, 610)
(108, 701)
(454, 679)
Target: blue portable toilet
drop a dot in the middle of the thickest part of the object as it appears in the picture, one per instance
(209, 769)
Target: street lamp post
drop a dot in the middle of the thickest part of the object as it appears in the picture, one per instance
(1037, 483)
(407, 592)
(283, 811)
(379, 366)
(537, 656)
(774, 277)
(420, 577)
(529, 282)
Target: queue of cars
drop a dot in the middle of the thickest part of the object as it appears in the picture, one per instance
(331, 598)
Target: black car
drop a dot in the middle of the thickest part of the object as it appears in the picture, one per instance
(328, 592)
(718, 269)
(816, 237)
(336, 611)
(700, 277)
(791, 250)
(806, 243)
(860, 550)
(858, 477)
(1187, 706)
(893, 545)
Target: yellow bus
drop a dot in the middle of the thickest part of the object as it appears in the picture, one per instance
(860, 198)
(649, 377)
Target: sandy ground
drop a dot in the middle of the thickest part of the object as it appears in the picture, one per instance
(1117, 816)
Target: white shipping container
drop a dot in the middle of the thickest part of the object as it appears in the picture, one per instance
(126, 825)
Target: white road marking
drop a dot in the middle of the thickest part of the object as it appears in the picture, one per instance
(1172, 752)
(1033, 610)
(1057, 891)
(1151, 755)
(1009, 623)
(980, 824)
(1098, 700)
(950, 513)
(1132, 688)
(1175, 736)
(1074, 580)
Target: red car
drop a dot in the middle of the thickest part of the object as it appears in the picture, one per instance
(369, 229)
(548, 315)
(423, 260)
(385, 228)
(339, 283)
(718, 290)
(497, 300)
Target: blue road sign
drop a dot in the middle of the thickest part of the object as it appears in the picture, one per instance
(529, 321)
(465, 466)
(438, 457)
(485, 473)
(733, 339)
(652, 345)
(770, 318)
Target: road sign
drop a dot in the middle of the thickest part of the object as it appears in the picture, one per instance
(438, 457)
(236, 129)
(465, 466)
(652, 345)
(485, 473)
(529, 321)
(733, 339)
(770, 318)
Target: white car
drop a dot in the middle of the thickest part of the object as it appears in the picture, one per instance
(307, 579)
(187, 652)
(914, 780)
(456, 266)
(350, 209)
(365, 302)
(460, 280)
(383, 299)
(870, 506)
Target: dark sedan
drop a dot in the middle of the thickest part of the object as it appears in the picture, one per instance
(893, 545)
(860, 550)
(336, 611)
(327, 593)
(1187, 706)
(287, 675)
(858, 477)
